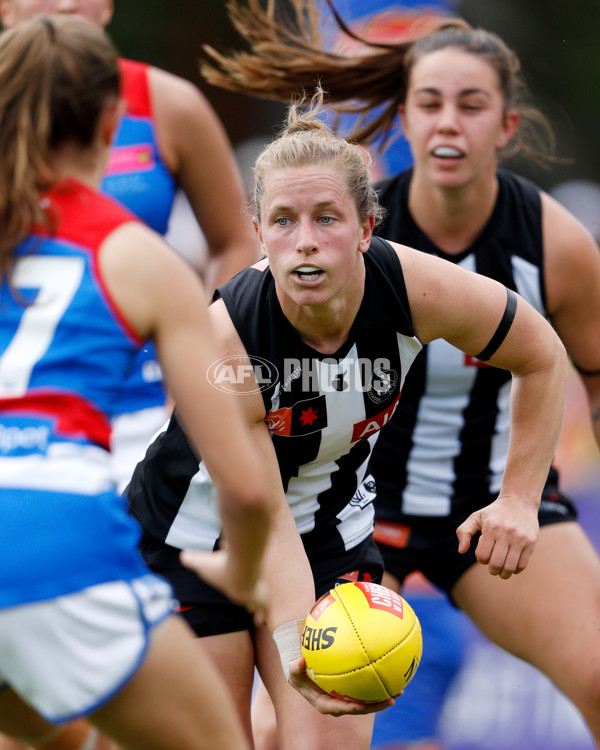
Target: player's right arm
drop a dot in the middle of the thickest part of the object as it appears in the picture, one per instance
(286, 570)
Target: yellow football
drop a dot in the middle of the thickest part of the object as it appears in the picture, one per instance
(362, 641)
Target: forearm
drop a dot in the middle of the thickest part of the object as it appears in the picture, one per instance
(537, 405)
(246, 528)
(287, 573)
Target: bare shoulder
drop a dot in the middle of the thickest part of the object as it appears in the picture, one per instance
(571, 256)
(420, 267)
(190, 133)
(134, 245)
(406, 255)
(560, 228)
(176, 97)
(228, 340)
(141, 273)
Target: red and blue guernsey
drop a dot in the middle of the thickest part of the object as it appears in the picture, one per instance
(138, 177)
(64, 352)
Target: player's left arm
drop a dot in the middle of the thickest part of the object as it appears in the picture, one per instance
(572, 280)
(198, 152)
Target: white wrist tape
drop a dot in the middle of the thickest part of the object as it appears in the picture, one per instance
(287, 638)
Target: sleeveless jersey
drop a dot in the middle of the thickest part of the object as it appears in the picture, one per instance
(446, 446)
(64, 352)
(324, 413)
(139, 179)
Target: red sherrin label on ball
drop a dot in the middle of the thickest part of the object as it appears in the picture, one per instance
(324, 602)
(381, 598)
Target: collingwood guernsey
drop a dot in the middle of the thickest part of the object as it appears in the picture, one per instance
(324, 413)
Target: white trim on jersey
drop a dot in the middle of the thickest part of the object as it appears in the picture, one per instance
(197, 524)
(65, 467)
(527, 279)
(130, 437)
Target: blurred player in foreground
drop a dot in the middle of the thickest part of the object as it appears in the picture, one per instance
(85, 628)
(168, 137)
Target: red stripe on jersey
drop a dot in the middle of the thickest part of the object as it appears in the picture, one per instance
(135, 88)
(75, 417)
(81, 215)
(86, 217)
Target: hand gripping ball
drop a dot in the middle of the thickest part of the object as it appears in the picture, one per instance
(362, 641)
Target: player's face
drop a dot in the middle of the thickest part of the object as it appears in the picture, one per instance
(312, 235)
(455, 118)
(98, 12)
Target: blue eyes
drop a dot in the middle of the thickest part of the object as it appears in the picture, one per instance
(282, 221)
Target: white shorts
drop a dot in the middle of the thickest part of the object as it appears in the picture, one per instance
(67, 656)
(131, 435)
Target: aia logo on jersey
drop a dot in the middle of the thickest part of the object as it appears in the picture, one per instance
(302, 418)
(368, 426)
(382, 385)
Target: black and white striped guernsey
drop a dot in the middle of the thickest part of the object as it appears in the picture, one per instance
(446, 447)
(324, 413)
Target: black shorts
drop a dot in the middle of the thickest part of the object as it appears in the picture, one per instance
(430, 545)
(209, 612)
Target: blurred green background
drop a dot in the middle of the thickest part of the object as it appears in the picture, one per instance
(556, 40)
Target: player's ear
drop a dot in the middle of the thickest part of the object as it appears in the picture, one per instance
(510, 125)
(109, 120)
(107, 13)
(367, 233)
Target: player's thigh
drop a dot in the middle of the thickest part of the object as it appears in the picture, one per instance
(299, 724)
(549, 613)
(264, 725)
(233, 656)
(177, 699)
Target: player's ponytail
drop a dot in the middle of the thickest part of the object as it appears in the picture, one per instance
(56, 75)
